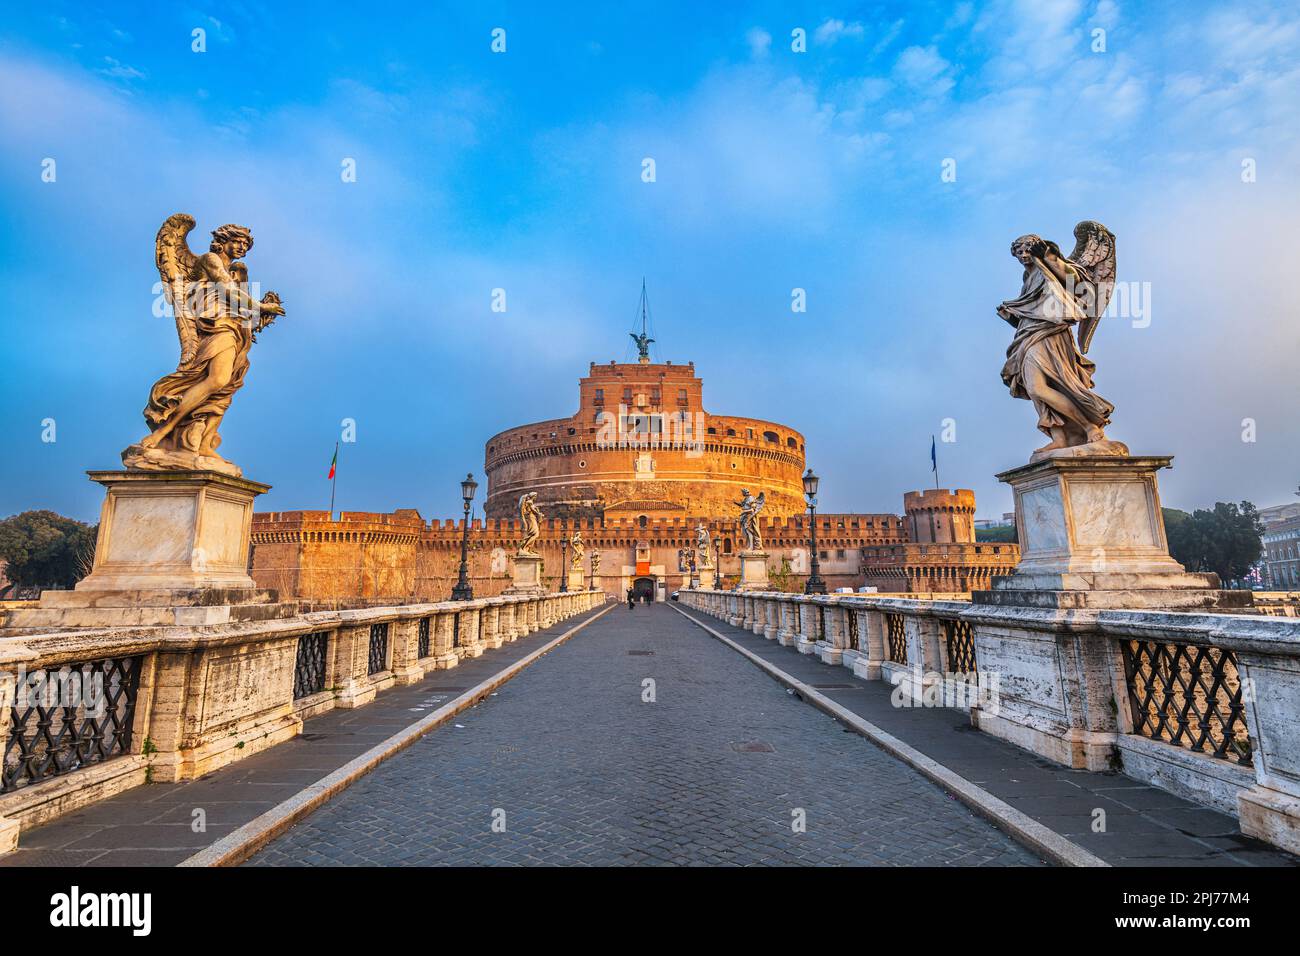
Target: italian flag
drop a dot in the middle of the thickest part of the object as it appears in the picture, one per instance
(333, 464)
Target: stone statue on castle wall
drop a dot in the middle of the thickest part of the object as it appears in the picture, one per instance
(749, 508)
(702, 546)
(595, 561)
(217, 321)
(530, 519)
(575, 543)
(1059, 298)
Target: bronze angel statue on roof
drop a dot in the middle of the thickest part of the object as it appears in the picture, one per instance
(217, 321)
(1059, 298)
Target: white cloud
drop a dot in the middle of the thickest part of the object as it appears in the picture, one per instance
(832, 31)
(924, 70)
(759, 40)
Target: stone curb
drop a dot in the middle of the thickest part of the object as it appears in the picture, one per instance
(1020, 826)
(256, 833)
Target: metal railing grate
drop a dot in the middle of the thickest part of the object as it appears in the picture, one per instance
(852, 636)
(422, 638)
(1189, 696)
(896, 638)
(961, 646)
(378, 648)
(66, 719)
(309, 668)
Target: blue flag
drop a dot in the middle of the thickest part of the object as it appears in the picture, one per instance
(934, 458)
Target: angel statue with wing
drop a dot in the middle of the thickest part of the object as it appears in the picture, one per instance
(217, 322)
(749, 508)
(575, 543)
(530, 520)
(1059, 295)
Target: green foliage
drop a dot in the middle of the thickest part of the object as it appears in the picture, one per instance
(1005, 533)
(46, 550)
(1225, 540)
(782, 580)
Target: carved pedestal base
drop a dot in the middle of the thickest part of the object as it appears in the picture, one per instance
(527, 572)
(576, 582)
(1092, 536)
(172, 550)
(753, 571)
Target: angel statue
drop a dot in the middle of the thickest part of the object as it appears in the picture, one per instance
(702, 546)
(217, 322)
(642, 344)
(595, 561)
(530, 517)
(575, 543)
(749, 509)
(1043, 363)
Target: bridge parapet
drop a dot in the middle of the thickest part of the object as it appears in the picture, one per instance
(89, 713)
(1201, 704)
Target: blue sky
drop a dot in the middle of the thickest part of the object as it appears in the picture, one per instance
(775, 170)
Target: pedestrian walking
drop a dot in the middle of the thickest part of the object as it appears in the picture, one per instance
(631, 599)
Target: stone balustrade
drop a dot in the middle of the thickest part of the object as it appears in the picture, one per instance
(1205, 705)
(88, 713)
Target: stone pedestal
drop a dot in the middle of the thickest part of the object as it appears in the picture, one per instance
(753, 571)
(527, 572)
(1092, 536)
(172, 550)
(576, 583)
(707, 579)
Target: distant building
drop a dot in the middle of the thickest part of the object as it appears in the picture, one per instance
(1281, 557)
(1279, 513)
(637, 469)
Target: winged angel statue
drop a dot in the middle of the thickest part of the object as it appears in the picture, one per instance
(1058, 295)
(749, 508)
(217, 321)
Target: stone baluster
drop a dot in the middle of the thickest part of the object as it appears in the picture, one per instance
(787, 625)
(403, 641)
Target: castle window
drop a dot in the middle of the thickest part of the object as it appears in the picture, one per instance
(627, 395)
(772, 437)
(791, 443)
(749, 433)
(600, 396)
(681, 396)
(712, 430)
(731, 432)
(643, 521)
(582, 464)
(726, 546)
(656, 397)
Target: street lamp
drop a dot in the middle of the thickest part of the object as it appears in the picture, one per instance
(815, 584)
(564, 560)
(462, 591)
(717, 560)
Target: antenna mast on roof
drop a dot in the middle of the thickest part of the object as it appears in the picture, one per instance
(643, 340)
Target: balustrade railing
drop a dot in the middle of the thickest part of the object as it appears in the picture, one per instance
(309, 667)
(63, 720)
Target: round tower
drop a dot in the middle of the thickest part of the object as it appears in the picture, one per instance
(939, 516)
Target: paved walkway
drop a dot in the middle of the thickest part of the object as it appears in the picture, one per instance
(152, 825)
(574, 766)
(1145, 826)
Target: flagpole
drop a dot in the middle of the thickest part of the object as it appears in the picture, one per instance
(334, 477)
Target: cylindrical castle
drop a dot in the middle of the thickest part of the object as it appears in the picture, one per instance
(641, 442)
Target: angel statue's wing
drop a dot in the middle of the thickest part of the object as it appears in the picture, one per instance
(760, 501)
(175, 266)
(1094, 254)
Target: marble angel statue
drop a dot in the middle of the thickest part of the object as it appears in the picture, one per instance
(1061, 297)
(576, 545)
(749, 508)
(702, 546)
(217, 322)
(530, 519)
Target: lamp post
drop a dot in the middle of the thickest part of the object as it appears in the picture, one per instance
(462, 591)
(564, 559)
(717, 561)
(815, 584)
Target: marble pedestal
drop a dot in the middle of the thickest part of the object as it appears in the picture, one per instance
(172, 550)
(527, 571)
(753, 571)
(1092, 536)
(706, 579)
(576, 582)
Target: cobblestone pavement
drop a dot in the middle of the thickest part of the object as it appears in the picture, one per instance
(718, 769)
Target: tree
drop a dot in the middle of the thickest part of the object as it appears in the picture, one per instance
(997, 533)
(46, 550)
(1225, 540)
